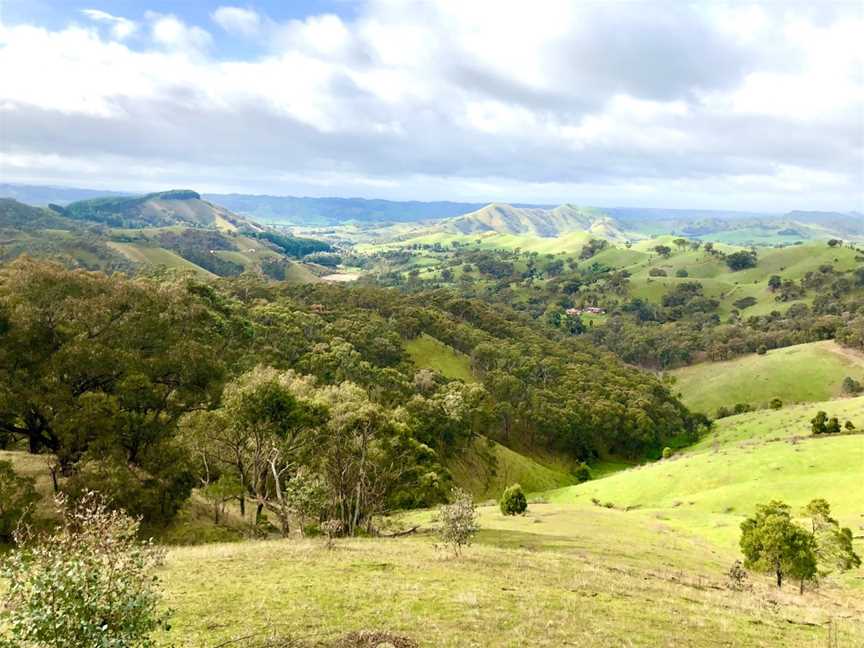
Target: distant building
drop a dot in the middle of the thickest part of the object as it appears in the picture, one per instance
(588, 310)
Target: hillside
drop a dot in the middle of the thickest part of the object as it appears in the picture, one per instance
(800, 373)
(161, 209)
(41, 233)
(174, 230)
(747, 459)
(545, 223)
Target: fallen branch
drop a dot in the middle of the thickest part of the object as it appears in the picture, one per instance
(399, 534)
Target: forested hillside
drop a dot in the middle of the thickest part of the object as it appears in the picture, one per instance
(131, 384)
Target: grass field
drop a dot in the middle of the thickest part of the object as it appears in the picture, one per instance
(801, 373)
(648, 571)
(158, 256)
(749, 459)
(558, 576)
(429, 353)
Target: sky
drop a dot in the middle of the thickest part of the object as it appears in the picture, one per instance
(714, 105)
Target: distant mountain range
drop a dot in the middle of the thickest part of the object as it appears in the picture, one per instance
(465, 218)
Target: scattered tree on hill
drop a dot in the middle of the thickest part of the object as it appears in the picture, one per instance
(772, 542)
(849, 426)
(91, 582)
(741, 260)
(835, 242)
(851, 386)
(833, 544)
(818, 423)
(592, 247)
(776, 404)
(774, 283)
(17, 497)
(833, 426)
(681, 243)
(663, 250)
(513, 501)
(458, 521)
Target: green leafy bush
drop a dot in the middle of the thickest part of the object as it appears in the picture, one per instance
(513, 501)
(582, 473)
(90, 583)
(667, 453)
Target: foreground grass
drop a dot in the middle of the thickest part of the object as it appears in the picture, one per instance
(801, 373)
(561, 575)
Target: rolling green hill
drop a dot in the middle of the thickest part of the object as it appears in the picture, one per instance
(801, 373)
(748, 459)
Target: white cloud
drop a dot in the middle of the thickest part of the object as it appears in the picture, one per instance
(171, 32)
(237, 20)
(584, 102)
(121, 28)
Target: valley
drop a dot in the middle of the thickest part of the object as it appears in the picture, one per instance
(647, 390)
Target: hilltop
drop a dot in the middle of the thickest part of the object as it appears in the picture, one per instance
(545, 223)
(160, 209)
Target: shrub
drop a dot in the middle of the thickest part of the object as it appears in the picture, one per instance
(682, 273)
(851, 386)
(89, 583)
(17, 496)
(332, 529)
(849, 425)
(833, 426)
(458, 521)
(817, 423)
(513, 501)
(737, 576)
(582, 473)
(667, 452)
(723, 412)
(761, 349)
(776, 404)
(742, 408)
(657, 272)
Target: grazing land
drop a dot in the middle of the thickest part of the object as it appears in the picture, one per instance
(796, 374)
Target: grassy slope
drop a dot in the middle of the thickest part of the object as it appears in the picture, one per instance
(750, 459)
(487, 480)
(158, 256)
(429, 353)
(727, 287)
(802, 373)
(557, 576)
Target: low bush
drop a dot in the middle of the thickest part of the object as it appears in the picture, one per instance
(513, 501)
(458, 521)
(90, 583)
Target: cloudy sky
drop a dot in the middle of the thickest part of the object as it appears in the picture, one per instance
(711, 105)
